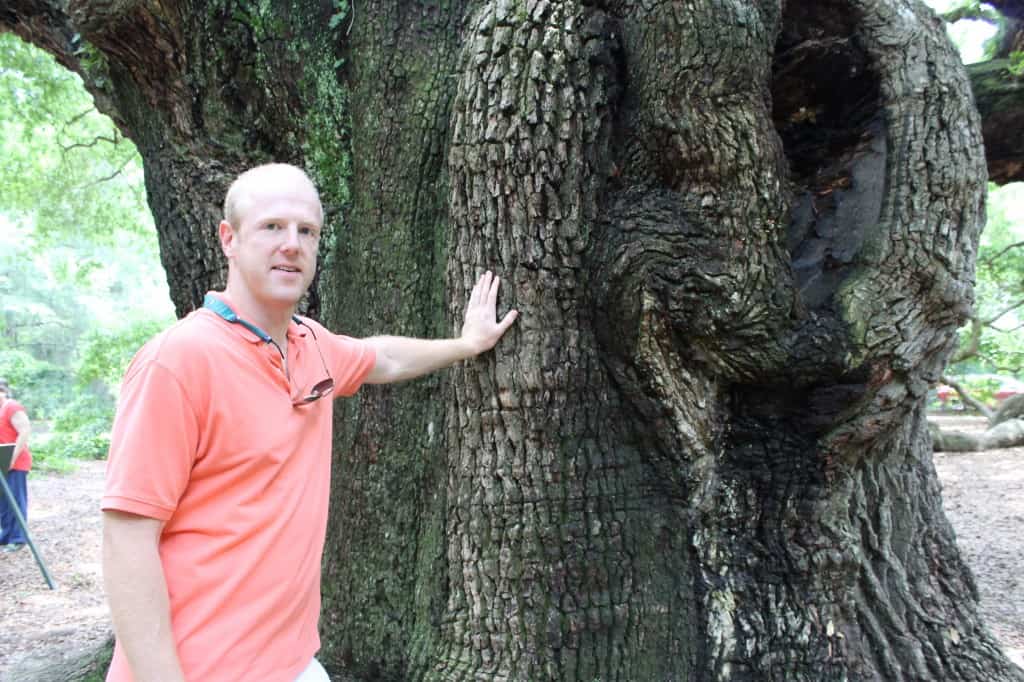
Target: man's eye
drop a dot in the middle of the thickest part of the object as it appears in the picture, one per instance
(272, 226)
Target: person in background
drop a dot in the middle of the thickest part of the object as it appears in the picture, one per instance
(15, 427)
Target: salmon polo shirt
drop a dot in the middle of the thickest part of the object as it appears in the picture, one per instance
(207, 440)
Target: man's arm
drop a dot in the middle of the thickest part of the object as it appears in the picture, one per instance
(137, 591)
(23, 426)
(400, 358)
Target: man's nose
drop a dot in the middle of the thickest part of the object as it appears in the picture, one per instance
(291, 238)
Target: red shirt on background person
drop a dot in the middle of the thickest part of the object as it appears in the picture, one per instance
(15, 427)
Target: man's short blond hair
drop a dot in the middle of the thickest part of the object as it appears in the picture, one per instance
(238, 192)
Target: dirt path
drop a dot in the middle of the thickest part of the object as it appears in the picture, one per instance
(983, 493)
(64, 520)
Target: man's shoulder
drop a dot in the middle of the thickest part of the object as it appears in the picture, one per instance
(338, 343)
(321, 331)
(191, 329)
(317, 328)
(185, 344)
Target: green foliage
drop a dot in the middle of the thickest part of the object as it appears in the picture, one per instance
(78, 254)
(86, 412)
(327, 124)
(91, 441)
(42, 387)
(982, 387)
(67, 169)
(972, 26)
(106, 353)
(82, 427)
(1017, 64)
(340, 12)
(999, 288)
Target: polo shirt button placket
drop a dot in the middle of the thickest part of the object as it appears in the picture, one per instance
(294, 351)
(282, 376)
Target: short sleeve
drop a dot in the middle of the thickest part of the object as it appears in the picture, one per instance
(153, 444)
(14, 407)
(351, 362)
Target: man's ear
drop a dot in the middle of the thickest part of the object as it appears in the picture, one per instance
(227, 238)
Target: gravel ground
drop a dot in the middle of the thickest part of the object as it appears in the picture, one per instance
(983, 494)
(64, 520)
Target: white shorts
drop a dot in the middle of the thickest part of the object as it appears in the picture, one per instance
(314, 672)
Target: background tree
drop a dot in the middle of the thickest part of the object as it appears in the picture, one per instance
(79, 269)
(742, 235)
(997, 83)
(987, 342)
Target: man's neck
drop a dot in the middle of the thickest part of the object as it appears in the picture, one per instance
(274, 321)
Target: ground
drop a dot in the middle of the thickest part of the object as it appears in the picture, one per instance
(35, 622)
(983, 493)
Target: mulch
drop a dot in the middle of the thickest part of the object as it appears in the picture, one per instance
(60, 624)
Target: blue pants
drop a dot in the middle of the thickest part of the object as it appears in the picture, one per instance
(10, 531)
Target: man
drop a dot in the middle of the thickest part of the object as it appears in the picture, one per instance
(14, 428)
(215, 506)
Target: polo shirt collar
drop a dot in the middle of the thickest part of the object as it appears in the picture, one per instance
(294, 331)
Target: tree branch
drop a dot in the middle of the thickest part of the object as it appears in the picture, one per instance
(1000, 100)
(990, 259)
(109, 177)
(78, 117)
(975, 342)
(975, 11)
(1012, 329)
(991, 321)
(968, 399)
(46, 24)
(87, 145)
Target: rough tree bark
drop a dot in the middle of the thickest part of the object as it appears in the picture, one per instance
(1000, 99)
(741, 235)
(998, 93)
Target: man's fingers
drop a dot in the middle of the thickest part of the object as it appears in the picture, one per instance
(474, 295)
(482, 308)
(487, 285)
(481, 290)
(507, 321)
(492, 294)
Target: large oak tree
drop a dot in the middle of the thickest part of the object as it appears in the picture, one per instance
(742, 236)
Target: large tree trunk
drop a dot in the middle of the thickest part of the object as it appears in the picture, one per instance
(741, 236)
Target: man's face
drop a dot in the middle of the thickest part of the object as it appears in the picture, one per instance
(272, 251)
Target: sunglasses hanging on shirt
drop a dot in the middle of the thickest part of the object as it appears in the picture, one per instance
(224, 311)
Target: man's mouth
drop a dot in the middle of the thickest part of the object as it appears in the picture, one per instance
(286, 268)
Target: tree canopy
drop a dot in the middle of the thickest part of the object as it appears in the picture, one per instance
(80, 276)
